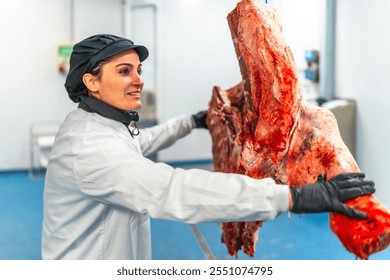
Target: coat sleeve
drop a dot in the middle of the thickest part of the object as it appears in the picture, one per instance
(162, 136)
(111, 171)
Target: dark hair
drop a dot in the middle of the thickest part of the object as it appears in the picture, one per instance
(97, 70)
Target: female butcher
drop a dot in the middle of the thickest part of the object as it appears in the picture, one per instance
(101, 190)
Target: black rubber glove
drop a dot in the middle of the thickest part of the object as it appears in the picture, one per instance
(200, 119)
(328, 196)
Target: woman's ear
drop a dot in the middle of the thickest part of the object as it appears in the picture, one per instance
(91, 82)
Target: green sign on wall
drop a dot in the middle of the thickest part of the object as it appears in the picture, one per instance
(65, 50)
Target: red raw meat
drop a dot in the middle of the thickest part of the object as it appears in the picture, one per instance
(263, 128)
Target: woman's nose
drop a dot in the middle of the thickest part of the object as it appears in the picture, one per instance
(138, 81)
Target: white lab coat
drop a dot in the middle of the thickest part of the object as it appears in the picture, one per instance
(100, 191)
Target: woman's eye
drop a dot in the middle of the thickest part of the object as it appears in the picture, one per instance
(139, 71)
(124, 71)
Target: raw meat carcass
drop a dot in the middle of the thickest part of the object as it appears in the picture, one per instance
(263, 128)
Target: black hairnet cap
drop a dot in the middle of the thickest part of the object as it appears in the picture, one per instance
(89, 52)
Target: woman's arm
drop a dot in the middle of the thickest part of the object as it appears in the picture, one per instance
(164, 135)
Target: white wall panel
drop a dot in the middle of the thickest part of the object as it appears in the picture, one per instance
(362, 73)
(31, 89)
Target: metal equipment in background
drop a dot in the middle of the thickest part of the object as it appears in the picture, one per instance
(42, 137)
(147, 114)
(202, 242)
(345, 113)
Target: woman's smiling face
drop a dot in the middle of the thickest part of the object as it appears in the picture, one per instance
(120, 83)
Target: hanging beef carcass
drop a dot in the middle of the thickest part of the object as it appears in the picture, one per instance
(263, 128)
